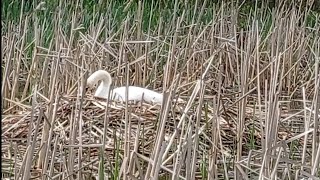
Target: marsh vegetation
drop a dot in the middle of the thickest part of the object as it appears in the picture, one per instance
(249, 75)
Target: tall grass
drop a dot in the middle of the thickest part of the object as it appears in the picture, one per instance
(249, 75)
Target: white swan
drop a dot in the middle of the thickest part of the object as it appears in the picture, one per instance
(118, 94)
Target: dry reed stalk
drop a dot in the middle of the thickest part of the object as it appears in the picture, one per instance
(316, 100)
(195, 140)
(79, 119)
(32, 142)
(50, 136)
(16, 70)
(46, 128)
(5, 80)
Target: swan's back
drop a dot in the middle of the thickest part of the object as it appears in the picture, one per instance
(137, 94)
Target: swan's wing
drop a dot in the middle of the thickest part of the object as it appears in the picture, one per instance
(119, 94)
(137, 94)
(152, 96)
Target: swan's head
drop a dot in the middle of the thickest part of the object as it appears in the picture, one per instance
(91, 82)
(105, 81)
(91, 85)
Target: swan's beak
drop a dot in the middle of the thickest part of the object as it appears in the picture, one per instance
(88, 89)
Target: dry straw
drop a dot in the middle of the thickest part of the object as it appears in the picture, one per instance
(250, 81)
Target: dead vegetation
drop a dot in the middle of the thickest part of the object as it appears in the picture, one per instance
(250, 82)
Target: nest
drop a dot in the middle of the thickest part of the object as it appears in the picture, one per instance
(96, 118)
(95, 115)
(92, 116)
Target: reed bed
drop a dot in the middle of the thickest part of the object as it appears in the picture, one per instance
(248, 73)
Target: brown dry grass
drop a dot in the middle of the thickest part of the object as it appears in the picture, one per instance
(252, 96)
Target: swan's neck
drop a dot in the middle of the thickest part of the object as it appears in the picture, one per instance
(103, 89)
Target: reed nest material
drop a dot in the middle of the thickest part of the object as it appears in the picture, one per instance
(143, 125)
(143, 121)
